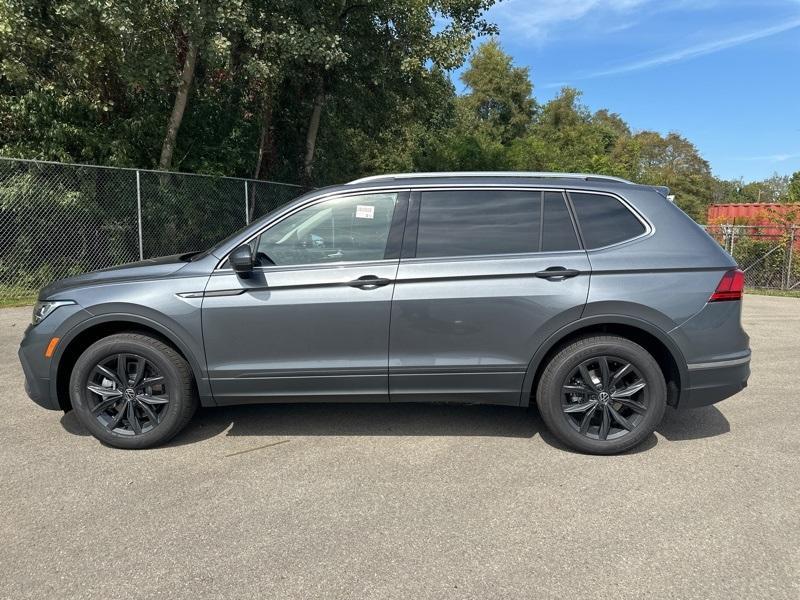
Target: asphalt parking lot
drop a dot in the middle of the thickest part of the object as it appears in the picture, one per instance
(403, 501)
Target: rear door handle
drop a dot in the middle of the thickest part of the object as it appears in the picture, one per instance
(557, 273)
(369, 282)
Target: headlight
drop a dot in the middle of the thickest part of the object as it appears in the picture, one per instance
(42, 309)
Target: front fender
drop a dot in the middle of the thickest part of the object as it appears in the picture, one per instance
(188, 344)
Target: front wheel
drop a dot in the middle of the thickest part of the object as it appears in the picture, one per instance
(132, 391)
(602, 394)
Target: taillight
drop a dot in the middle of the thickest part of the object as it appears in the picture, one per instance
(730, 287)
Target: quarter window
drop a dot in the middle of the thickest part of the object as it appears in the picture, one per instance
(604, 220)
(558, 233)
(474, 223)
(350, 228)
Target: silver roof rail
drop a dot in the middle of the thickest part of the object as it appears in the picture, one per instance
(531, 174)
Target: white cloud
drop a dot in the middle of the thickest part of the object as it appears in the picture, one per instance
(771, 157)
(537, 18)
(695, 51)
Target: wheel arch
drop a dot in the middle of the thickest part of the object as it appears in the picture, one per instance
(74, 343)
(665, 351)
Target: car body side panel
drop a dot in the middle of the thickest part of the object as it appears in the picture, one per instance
(718, 354)
(554, 338)
(152, 302)
(713, 334)
(157, 307)
(299, 334)
(461, 330)
(665, 277)
(465, 329)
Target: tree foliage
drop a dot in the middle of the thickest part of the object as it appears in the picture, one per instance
(793, 188)
(315, 91)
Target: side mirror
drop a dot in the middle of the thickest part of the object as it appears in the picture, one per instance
(241, 260)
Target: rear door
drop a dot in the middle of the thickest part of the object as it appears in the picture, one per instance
(485, 276)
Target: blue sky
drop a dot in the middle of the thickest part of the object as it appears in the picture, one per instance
(723, 73)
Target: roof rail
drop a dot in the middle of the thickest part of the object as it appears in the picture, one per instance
(530, 174)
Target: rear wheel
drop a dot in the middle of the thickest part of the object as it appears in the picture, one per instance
(132, 391)
(602, 395)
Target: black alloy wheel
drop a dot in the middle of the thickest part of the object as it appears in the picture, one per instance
(602, 394)
(128, 394)
(605, 397)
(131, 390)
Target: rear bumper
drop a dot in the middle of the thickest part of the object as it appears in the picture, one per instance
(714, 381)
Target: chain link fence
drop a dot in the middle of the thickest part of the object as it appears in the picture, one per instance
(769, 255)
(58, 220)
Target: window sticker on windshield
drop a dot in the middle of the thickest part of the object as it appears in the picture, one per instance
(365, 212)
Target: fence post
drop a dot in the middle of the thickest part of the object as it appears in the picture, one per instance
(733, 237)
(246, 205)
(789, 258)
(139, 211)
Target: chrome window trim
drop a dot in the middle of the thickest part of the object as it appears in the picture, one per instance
(316, 266)
(487, 257)
(649, 228)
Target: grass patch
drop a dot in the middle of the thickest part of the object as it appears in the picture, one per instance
(771, 292)
(14, 296)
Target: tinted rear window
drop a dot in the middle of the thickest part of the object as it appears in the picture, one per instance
(604, 220)
(476, 222)
(558, 232)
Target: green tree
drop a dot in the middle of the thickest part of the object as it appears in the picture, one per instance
(499, 96)
(567, 137)
(388, 45)
(793, 189)
(670, 160)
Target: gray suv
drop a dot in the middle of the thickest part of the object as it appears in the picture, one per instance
(595, 298)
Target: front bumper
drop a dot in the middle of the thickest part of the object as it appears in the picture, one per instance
(712, 382)
(38, 369)
(37, 388)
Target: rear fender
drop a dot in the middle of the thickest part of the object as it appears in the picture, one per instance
(592, 322)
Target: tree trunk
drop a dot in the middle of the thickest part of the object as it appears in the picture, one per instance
(313, 129)
(265, 145)
(266, 150)
(182, 96)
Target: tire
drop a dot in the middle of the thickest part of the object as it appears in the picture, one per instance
(159, 388)
(565, 399)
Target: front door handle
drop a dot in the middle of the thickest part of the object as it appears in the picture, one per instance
(369, 282)
(557, 273)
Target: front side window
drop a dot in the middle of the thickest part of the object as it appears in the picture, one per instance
(604, 220)
(350, 228)
(478, 222)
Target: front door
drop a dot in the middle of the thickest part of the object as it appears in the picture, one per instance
(486, 276)
(312, 322)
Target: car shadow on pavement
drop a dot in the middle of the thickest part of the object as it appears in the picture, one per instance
(693, 424)
(284, 420)
(365, 420)
(281, 420)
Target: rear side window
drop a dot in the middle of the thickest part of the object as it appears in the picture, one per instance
(604, 220)
(478, 222)
(558, 233)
